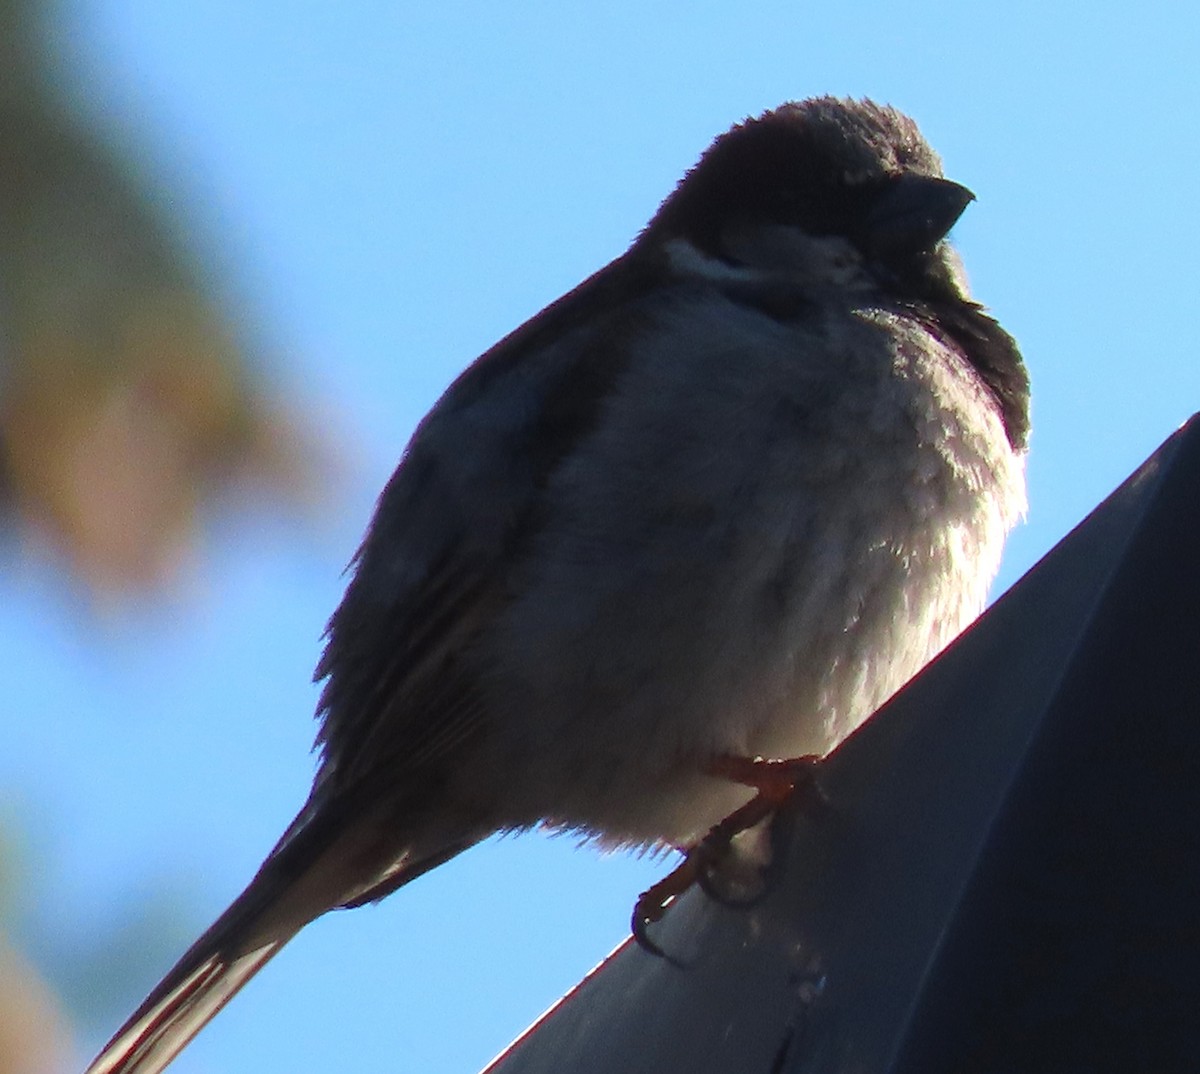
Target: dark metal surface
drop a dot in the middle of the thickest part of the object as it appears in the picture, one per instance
(1006, 876)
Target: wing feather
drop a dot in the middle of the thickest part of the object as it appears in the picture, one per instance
(435, 566)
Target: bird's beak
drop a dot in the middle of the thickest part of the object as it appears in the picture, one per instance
(914, 213)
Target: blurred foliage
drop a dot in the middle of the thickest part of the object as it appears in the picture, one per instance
(127, 401)
(130, 406)
(34, 1038)
(62, 978)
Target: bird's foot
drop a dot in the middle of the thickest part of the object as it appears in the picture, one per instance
(774, 782)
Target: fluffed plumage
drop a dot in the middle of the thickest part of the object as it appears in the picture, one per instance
(724, 498)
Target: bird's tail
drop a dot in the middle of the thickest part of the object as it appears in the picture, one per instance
(321, 862)
(201, 983)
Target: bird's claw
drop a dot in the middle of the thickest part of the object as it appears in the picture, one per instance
(774, 781)
(653, 903)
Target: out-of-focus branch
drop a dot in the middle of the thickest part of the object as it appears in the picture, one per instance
(127, 401)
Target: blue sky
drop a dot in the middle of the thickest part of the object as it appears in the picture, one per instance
(389, 188)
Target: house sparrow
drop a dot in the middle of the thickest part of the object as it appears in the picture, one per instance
(716, 504)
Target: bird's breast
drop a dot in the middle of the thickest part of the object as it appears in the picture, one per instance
(772, 528)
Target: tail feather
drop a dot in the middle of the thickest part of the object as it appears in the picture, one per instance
(201, 984)
(312, 869)
(332, 855)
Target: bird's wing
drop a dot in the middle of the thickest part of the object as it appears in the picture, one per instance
(434, 565)
(397, 701)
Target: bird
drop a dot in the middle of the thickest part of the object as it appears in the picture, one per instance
(705, 512)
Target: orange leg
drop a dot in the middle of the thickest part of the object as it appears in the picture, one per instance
(773, 781)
